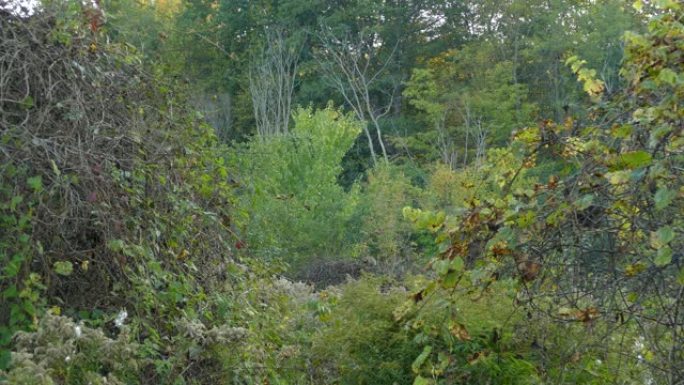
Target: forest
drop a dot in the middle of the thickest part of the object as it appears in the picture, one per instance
(342, 192)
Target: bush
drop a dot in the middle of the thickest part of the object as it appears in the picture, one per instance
(297, 210)
(385, 235)
(61, 351)
(116, 196)
(360, 342)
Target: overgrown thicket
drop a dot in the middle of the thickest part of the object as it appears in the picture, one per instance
(117, 212)
(596, 246)
(102, 168)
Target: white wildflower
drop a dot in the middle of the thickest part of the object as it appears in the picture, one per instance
(77, 330)
(67, 358)
(120, 318)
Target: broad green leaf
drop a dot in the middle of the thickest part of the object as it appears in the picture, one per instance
(10, 292)
(663, 197)
(441, 267)
(457, 264)
(526, 219)
(13, 267)
(668, 76)
(662, 237)
(632, 297)
(420, 360)
(14, 202)
(421, 381)
(664, 256)
(632, 160)
(63, 268)
(680, 277)
(450, 279)
(443, 246)
(116, 245)
(584, 202)
(622, 132)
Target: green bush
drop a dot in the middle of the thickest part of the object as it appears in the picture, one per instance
(297, 210)
(385, 235)
(360, 341)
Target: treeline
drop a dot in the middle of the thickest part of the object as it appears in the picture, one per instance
(436, 83)
(432, 79)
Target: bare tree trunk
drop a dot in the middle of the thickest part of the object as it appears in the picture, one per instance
(481, 142)
(446, 146)
(348, 65)
(271, 83)
(467, 132)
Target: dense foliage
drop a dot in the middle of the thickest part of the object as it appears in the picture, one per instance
(474, 192)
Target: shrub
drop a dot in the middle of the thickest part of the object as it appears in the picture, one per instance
(116, 196)
(385, 235)
(61, 351)
(360, 342)
(297, 210)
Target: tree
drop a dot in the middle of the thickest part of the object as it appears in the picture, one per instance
(272, 82)
(353, 66)
(294, 178)
(471, 103)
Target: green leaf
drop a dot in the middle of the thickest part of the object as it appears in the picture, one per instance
(55, 169)
(663, 197)
(457, 264)
(14, 202)
(584, 202)
(668, 4)
(13, 267)
(450, 279)
(35, 182)
(632, 297)
(63, 268)
(668, 76)
(632, 160)
(27, 102)
(10, 292)
(443, 245)
(421, 381)
(680, 277)
(441, 267)
(116, 245)
(526, 219)
(420, 360)
(664, 256)
(622, 132)
(662, 237)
